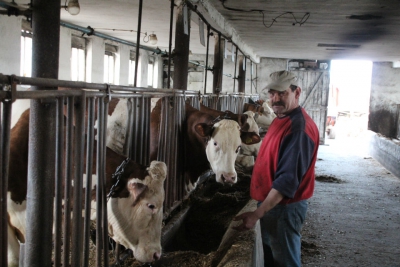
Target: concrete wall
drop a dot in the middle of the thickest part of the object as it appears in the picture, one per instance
(386, 151)
(385, 100)
(10, 45)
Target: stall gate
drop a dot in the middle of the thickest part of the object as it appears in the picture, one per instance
(81, 119)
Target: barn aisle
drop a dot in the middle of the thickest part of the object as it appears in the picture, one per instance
(354, 215)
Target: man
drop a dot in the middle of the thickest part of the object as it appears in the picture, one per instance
(283, 176)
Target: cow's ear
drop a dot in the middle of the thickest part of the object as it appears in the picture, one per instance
(158, 170)
(249, 138)
(203, 129)
(242, 120)
(135, 188)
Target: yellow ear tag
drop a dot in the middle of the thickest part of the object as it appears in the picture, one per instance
(248, 140)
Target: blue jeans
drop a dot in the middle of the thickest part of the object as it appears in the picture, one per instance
(281, 234)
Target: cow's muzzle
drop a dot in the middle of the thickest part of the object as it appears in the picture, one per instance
(229, 178)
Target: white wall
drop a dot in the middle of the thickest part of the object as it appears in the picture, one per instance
(64, 65)
(123, 78)
(10, 45)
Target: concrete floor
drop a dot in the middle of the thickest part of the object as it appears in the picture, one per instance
(354, 215)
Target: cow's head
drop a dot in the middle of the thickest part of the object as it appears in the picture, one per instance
(135, 222)
(224, 142)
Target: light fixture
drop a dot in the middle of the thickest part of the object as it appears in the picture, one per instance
(73, 7)
(152, 38)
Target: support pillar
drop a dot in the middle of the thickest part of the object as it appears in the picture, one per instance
(42, 135)
(218, 64)
(181, 57)
(242, 75)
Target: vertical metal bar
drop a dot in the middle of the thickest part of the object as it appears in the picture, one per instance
(174, 151)
(141, 129)
(129, 132)
(171, 18)
(89, 166)
(104, 192)
(146, 125)
(138, 41)
(251, 77)
(234, 73)
(136, 124)
(67, 183)
(4, 168)
(77, 193)
(59, 182)
(99, 188)
(206, 68)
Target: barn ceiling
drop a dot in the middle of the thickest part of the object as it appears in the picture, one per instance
(323, 29)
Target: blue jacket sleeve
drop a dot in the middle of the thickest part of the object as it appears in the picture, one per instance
(295, 156)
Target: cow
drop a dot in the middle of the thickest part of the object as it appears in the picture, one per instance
(207, 141)
(249, 126)
(135, 209)
(264, 119)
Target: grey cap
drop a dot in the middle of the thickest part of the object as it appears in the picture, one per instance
(281, 80)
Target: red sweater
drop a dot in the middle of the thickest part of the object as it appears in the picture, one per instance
(286, 160)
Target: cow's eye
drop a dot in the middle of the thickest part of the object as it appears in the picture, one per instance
(215, 144)
(237, 149)
(151, 206)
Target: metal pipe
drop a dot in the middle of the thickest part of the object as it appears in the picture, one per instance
(104, 192)
(89, 173)
(99, 188)
(4, 168)
(59, 183)
(138, 41)
(206, 69)
(234, 74)
(171, 17)
(67, 182)
(90, 31)
(46, 82)
(79, 144)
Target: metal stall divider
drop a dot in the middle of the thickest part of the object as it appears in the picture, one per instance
(5, 122)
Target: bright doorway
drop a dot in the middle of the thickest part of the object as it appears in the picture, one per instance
(349, 94)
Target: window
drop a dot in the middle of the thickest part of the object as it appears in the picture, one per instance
(78, 59)
(109, 63)
(26, 53)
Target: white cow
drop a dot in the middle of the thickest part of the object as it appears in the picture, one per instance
(135, 211)
(265, 120)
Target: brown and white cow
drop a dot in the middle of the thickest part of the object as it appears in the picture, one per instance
(135, 211)
(247, 152)
(206, 142)
(264, 115)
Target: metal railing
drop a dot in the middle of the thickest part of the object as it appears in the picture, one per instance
(78, 109)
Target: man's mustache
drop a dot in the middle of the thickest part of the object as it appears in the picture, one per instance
(278, 103)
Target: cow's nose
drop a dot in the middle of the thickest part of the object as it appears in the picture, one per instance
(229, 178)
(156, 256)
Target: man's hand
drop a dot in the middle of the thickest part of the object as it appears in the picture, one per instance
(249, 220)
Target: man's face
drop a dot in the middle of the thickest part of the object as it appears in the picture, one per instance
(284, 102)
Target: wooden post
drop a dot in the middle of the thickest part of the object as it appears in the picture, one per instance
(241, 75)
(181, 57)
(218, 64)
